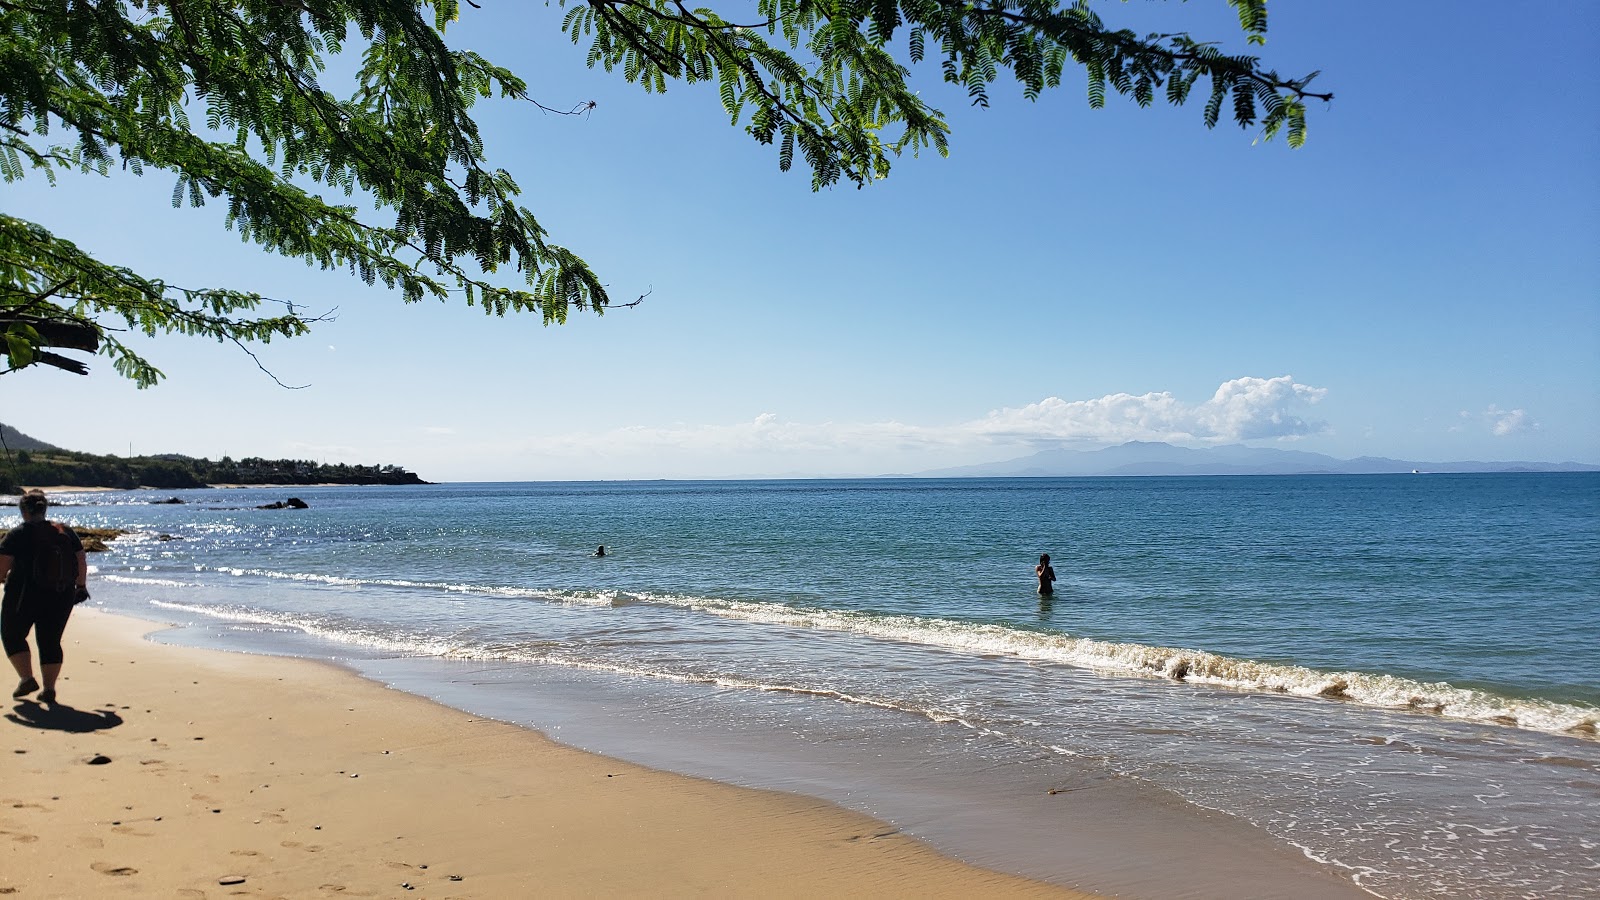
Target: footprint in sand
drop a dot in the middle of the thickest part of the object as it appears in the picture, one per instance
(243, 853)
(109, 869)
(89, 843)
(20, 837)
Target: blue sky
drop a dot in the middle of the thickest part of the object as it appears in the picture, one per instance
(1420, 281)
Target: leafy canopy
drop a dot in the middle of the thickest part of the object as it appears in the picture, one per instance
(226, 97)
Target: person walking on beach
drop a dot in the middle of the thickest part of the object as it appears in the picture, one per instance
(45, 573)
(1047, 575)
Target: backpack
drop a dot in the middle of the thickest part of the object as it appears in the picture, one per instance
(54, 573)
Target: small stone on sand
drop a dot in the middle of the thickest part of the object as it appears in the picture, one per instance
(231, 879)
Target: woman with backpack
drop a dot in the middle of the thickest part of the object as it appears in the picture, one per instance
(45, 573)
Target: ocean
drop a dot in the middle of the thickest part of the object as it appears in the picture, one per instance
(1398, 676)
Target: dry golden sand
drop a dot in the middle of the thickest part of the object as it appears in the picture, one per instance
(307, 781)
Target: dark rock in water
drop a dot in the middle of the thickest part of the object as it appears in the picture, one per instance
(167, 537)
(168, 500)
(94, 539)
(291, 503)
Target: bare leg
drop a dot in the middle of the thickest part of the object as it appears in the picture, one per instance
(23, 663)
(50, 671)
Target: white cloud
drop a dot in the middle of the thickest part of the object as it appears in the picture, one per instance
(1249, 408)
(1507, 422)
(1240, 410)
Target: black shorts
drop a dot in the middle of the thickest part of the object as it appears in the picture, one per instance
(48, 622)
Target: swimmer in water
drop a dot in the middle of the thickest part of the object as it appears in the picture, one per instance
(1047, 575)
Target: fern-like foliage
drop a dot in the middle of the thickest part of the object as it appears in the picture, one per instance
(87, 85)
(823, 74)
(111, 79)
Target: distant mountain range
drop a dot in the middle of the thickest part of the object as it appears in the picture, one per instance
(1155, 458)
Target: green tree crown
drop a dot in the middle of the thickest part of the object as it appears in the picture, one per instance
(91, 84)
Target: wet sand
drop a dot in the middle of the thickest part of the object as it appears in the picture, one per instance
(171, 771)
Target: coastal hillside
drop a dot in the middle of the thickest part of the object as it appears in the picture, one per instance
(28, 462)
(15, 440)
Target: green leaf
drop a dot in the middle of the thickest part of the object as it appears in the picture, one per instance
(225, 97)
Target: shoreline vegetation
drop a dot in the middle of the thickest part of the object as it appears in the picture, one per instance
(32, 463)
(297, 778)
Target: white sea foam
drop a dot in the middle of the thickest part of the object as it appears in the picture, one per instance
(1109, 657)
(157, 582)
(330, 629)
(1176, 664)
(591, 598)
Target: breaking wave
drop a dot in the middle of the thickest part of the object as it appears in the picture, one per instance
(1105, 657)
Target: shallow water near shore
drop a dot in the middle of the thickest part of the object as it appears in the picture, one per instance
(1392, 676)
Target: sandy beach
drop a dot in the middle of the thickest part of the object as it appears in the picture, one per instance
(179, 772)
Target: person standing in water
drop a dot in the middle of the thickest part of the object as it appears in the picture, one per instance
(1047, 575)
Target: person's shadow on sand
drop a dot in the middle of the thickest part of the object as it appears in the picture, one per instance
(57, 717)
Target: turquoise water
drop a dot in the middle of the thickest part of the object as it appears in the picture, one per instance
(1395, 674)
